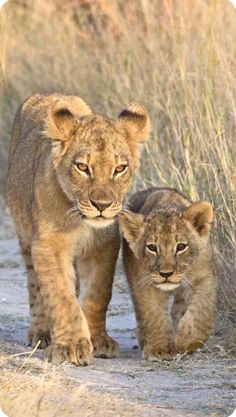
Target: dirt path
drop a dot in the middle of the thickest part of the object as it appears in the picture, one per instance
(203, 384)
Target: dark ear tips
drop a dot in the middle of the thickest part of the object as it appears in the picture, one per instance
(200, 214)
(136, 121)
(60, 123)
(131, 225)
(63, 119)
(63, 113)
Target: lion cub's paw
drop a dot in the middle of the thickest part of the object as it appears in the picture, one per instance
(105, 347)
(188, 347)
(155, 353)
(77, 354)
(38, 335)
(187, 339)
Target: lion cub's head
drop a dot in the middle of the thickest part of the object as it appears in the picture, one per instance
(95, 157)
(169, 243)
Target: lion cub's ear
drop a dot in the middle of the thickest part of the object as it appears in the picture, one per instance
(131, 225)
(60, 123)
(200, 214)
(136, 121)
(63, 116)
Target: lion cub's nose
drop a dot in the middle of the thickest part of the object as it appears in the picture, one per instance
(101, 205)
(166, 275)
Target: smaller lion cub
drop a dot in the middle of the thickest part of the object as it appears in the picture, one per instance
(167, 250)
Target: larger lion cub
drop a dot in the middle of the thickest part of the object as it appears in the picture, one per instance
(167, 251)
(69, 172)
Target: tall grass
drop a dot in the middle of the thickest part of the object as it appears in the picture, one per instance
(176, 56)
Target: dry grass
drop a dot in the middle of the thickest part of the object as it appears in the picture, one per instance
(176, 56)
(34, 388)
(31, 387)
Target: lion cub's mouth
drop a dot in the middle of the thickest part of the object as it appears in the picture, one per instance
(99, 221)
(98, 217)
(93, 217)
(167, 286)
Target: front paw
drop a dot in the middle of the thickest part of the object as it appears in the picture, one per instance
(79, 353)
(156, 352)
(104, 347)
(187, 340)
(36, 335)
(184, 345)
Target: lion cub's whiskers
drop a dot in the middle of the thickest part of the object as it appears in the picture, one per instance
(147, 280)
(72, 214)
(188, 282)
(72, 209)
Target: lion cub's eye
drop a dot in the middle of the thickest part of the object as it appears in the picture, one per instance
(152, 247)
(82, 167)
(181, 247)
(120, 168)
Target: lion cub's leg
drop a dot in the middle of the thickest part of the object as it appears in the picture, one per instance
(179, 305)
(53, 262)
(96, 278)
(196, 324)
(155, 330)
(39, 328)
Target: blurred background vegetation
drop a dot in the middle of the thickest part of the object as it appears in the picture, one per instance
(178, 57)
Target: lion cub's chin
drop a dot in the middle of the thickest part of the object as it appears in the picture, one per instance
(168, 286)
(99, 222)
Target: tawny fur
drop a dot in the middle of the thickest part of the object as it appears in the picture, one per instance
(69, 172)
(164, 218)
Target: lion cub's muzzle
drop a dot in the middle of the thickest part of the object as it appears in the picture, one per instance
(166, 274)
(167, 280)
(101, 205)
(99, 213)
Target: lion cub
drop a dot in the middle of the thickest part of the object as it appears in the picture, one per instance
(69, 172)
(166, 251)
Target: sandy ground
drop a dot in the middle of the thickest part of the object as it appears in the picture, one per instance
(197, 385)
